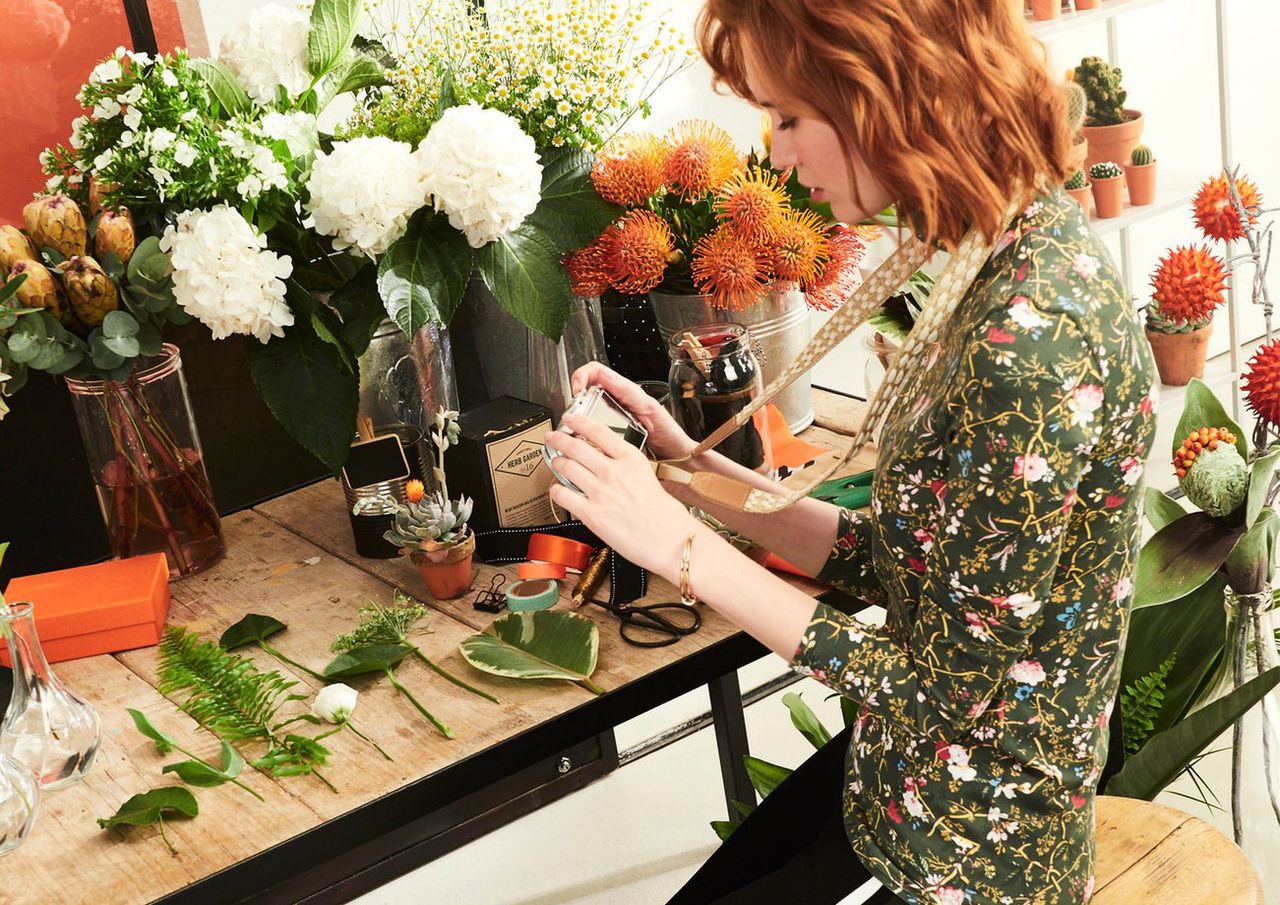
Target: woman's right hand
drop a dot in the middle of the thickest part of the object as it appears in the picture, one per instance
(666, 438)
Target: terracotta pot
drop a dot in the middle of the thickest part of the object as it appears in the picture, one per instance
(1078, 154)
(1141, 182)
(1082, 197)
(1082, 5)
(1045, 9)
(1108, 197)
(1114, 143)
(446, 571)
(1180, 356)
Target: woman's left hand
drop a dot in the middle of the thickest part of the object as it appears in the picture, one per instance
(624, 505)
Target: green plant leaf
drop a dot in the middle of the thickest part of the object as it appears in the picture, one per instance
(1260, 474)
(1202, 409)
(309, 390)
(10, 287)
(353, 73)
(522, 269)
(1252, 559)
(360, 308)
(424, 274)
(571, 213)
(545, 644)
(1181, 557)
(225, 88)
(361, 661)
(164, 743)
(764, 776)
(148, 807)
(1168, 753)
(252, 629)
(804, 719)
(119, 324)
(1161, 508)
(198, 773)
(333, 27)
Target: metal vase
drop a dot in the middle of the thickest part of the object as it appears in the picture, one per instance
(779, 328)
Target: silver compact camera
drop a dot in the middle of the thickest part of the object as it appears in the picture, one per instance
(594, 403)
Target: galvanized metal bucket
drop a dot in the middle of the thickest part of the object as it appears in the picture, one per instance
(779, 328)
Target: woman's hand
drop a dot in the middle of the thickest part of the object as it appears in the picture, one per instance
(624, 505)
(666, 438)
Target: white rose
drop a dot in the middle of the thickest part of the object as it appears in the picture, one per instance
(363, 193)
(482, 170)
(335, 702)
(268, 49)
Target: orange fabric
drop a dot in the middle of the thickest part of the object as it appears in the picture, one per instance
(554, 549)
(552, 570)
(98, 609)
(787, 450)
(778, 564)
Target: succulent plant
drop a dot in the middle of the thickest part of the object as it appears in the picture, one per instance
(1077, 181)
(431, 522)
(1101, 83)
(1212, 472)
(93, 295)
(1186, 289)
(40, 289)
(55, 221)
(14, 247)
(1105, 170)
(1141, 156)
(1077, 105)
(115, 235)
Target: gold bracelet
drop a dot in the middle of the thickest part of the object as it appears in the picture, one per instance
(687, 596)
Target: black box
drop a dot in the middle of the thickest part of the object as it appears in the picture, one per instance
(498, 463)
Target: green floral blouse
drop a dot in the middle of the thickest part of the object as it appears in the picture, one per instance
(1002, 540)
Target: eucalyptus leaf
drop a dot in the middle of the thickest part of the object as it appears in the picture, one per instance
(252, 629)
(223, 85)
(545, 644)
(361, 661)
(523, 271)
(804, 719)
(333, 27)
(1161, 509)
(119, 324)
(571, 212)
(1202, 409)
(103, 356)
(124, 346)
(1181, 557)
(1260, 474)
(424, 274)
(164, 743)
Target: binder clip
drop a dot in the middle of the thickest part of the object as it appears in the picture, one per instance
(491, 599)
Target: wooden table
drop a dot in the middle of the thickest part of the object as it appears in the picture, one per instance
(292, 558)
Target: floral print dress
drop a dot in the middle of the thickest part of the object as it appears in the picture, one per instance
(1002, 541)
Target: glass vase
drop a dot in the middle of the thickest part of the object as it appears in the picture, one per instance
(47, 729)
(148, 469)
(19, 798)
(551, 364)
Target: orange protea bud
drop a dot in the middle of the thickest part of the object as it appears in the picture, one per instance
(729, 269)
(414, 490)
(841, 276)
(1262, 383)
(701, 159)
(800, 247)
(753, 203)
(588, 268)
(630, 169)
(1216, 213)
(637, 250)
(1188, 285)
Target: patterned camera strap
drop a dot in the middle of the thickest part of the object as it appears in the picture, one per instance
(906, 368)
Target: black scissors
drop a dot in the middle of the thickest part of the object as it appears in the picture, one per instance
(657, 624)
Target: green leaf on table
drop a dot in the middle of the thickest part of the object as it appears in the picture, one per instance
(198, 773)
(1182, 556)
(545, 644)
(252, 629)
(1161, 508)
(1167, 754)
(571, 213)
(164, 742)
(764, 776)
(223, 85)
(360, 661)
(333, 27)
(1202, 409)
(424, 274)
(1260, 473)
(804, 719)
(522, 269)
(148, 807)
(1252, 560)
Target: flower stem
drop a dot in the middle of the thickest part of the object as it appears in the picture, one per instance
(320, 776)
(360, 734)
(444, 730)
(249, 790)
(591, 686)
(450, 676)
(291, 662)
(165, 836)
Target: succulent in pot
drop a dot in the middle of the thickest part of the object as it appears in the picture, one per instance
(1108, 189)
(1140, 176)
(1078, 188)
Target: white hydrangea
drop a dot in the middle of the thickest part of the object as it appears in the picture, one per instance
(225, 276)
(482, 170)
(363, 193)
(267, 49)
(298, 130)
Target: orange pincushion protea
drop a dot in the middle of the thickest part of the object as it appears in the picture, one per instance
(729, 269)
(1216, 213)
(636, 251)
(1262, 383)
(701, 159)
(588, 268)
(630, 169)
(1188, 285)
(838, 280)
(753, 203)
(800, 248)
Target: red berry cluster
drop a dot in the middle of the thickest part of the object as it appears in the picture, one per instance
(1197, 442)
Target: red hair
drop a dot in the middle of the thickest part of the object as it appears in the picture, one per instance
(949, 101)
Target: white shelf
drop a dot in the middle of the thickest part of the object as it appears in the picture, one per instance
(1217, 374)
(1173, 190)
(1107, 9)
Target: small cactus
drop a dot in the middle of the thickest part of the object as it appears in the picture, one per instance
(1077, 180)
(1101, 83)
(1141, 156)
(1105, 170)
(1077, 105)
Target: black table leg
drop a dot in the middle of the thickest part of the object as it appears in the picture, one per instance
(731, 741)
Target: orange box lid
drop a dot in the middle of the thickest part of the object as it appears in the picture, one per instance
(96, 598)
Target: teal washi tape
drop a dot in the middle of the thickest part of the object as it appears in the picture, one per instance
(533, 594)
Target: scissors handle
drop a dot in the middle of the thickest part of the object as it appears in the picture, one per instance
(650, 620)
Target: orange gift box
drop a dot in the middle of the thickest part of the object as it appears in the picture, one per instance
(99, 609)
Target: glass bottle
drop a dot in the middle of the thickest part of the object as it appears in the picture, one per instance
(551, 364)
(19, 797)
(48, 729)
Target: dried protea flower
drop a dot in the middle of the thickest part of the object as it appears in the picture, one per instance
(1211, 471)
(702, 158)
(115, 235)
(729, 269)
(40, 289)
(1216, 212)
(1262, 383)
(93, 295)
(14, 247)
(96, 191)
(56, 221)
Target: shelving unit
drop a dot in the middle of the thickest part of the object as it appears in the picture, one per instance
(1173, 191)
(1067, 21)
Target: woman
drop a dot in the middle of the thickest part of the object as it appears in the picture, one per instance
(1004, 524)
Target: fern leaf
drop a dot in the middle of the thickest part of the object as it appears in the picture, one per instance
(1140, 705)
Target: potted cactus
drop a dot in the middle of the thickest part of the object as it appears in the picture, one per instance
(1112, 129)
(1186, 289)
(1078, 188)
(1077, 107)
(1108, 189)
(1140, 176)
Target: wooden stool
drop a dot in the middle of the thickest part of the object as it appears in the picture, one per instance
(1150, 853)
